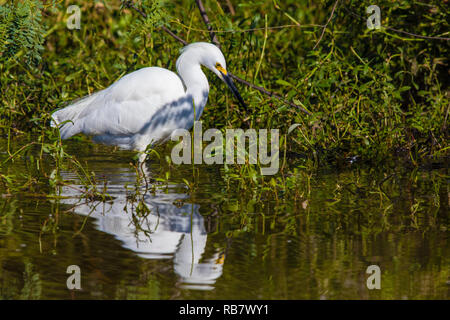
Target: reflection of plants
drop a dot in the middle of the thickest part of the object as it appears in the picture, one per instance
(28, 286)
(32, 284)
(340, 214)
(7, 211)
(139, 219)
(44, 159)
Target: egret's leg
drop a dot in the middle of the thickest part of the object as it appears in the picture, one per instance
(142, 157)
(142, 166)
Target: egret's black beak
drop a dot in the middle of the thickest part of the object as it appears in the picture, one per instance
(230, 84)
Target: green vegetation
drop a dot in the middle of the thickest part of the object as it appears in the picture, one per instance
(379, 105)
(372, 94)
(377, 97)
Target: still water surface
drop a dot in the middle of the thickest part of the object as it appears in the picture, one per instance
(218, 242)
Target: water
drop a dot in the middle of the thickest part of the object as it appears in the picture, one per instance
(218, 242)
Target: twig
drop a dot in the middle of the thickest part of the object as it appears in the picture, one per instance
(205, 18)
(174, 35)
(417, 35)
(284, 26)
(326, 24)
(251, 85)
(230, 7)
(269, 93)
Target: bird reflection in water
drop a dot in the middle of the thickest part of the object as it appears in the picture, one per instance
(167, 231)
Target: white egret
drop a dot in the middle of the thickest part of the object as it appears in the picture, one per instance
(146, 106)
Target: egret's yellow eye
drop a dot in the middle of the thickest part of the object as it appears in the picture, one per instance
(221, 69)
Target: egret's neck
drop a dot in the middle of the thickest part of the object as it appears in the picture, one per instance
(196, 85)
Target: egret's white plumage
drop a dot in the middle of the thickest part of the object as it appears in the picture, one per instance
(148, 105)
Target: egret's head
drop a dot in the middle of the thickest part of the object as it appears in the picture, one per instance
(212, 58)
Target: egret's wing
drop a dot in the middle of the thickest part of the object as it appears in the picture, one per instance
(127, 106)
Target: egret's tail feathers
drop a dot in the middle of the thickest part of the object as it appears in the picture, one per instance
(67, 117)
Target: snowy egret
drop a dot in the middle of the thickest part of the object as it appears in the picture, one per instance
(146, 106)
